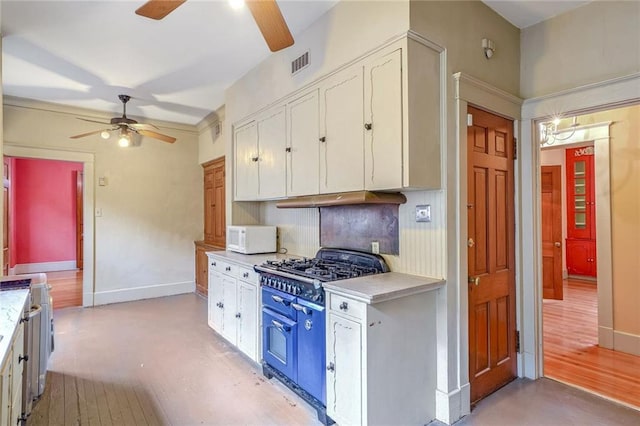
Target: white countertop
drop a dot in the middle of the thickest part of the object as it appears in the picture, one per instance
(11, 310)
(382, 287)
(249, 259)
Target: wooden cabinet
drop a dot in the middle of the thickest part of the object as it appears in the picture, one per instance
(202, 266)
(214, 203)
(581, 209)
(260, 157)
(383, 121)
(378, 122)
(342, 132)
(381, 359)
(303, 145)
(11, 381)
(233, 304)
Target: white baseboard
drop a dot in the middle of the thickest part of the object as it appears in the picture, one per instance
(138, 293)
(452, 406)
(31, 268)
(625, 342)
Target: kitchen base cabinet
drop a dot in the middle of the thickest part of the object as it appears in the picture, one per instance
(233, 304)
(381, 360)
(11, 381)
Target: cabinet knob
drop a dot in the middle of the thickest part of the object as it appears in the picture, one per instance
(255, 159)
(288, 149)
(245, 275)
(368, 126)
(23, 358)
(214, 264)
(344, 306)
(238, 315)
(323, 139)
(557, 244)
(228, 268)
(331, 367)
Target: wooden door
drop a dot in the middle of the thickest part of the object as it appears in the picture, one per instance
(214, 203)
(303, 174)
(491, 262)
(342, 128)
(79, 220)
(551, 184)
(6, 217)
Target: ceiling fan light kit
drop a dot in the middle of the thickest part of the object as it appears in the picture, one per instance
(127, 128)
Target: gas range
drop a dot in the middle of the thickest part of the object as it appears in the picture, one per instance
(303, 277)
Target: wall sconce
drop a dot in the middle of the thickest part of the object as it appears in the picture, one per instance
(489, 47)
(549, 132)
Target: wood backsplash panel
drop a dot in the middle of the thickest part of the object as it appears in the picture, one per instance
(356, 226)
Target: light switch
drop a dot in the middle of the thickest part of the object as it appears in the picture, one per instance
(102, 181)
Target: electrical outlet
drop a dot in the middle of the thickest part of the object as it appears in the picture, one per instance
(375, 247)
(423, 213)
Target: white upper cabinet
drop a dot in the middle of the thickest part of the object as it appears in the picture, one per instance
(383, 121)
(342, 131)
(260, 171)
(303, 155)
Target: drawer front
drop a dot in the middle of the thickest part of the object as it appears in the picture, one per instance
(344, 305)
(247, 274)
(222, 266)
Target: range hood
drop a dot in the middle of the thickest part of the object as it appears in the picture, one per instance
(343, 199)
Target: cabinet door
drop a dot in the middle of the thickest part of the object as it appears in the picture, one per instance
(272, 167)
(383, 122)
(344, 370)
(246, 162)
(303, 172)
(580, 193)
(248, 319)
(202, 273)
(342, 132)
(229, 323)
(5, 396)
(216, 297)
(581, 257)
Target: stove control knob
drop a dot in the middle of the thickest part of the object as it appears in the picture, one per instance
(289, 288)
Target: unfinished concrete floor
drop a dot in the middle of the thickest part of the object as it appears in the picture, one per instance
(157, 362)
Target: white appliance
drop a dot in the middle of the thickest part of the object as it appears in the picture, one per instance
(250, 239)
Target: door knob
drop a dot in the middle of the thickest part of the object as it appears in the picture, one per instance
(557, 244)
(474, 280)
(470, 242)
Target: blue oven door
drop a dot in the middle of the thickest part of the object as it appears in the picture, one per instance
(311, 348)
(279, 341)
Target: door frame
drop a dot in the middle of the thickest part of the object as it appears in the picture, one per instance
(608, 94)
(87, 160)
(469, 90)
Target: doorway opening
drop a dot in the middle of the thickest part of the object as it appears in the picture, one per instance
(579, 348)
(44, 223)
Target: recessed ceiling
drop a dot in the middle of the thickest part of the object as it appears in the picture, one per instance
(86, 53)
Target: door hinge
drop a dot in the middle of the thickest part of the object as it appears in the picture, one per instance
(518, 341)
(515, 148)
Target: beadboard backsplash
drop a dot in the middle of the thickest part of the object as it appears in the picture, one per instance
(422, 244)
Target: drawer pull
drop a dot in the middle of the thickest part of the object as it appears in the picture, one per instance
(238, 315)
(220, 305)
(228, 268)
(214, 264)
(344, 306)
(245, 275)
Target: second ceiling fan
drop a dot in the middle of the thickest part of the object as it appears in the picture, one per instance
(266, 13)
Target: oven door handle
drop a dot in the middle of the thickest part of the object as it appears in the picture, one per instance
(280, 326)
(304, 309)
(280, 300)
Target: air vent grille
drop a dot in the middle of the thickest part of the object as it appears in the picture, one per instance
(300, 63)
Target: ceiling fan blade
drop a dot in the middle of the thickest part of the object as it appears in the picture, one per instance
(158, 9)
(157, 135)
(82, 135)
(271, 23)
(94, 121)
(142, 126)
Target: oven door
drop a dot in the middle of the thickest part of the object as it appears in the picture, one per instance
(279, 342)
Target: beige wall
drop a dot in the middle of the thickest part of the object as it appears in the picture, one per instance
(625, 213)
(151, 208)
(212, 145)
(592, 43)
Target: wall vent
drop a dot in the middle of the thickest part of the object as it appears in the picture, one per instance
(300, 63)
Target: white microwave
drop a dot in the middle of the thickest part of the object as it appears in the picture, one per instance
(250, 239)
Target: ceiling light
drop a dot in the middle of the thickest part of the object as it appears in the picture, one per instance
(549, 132)
(125, 138)
(236, 4)
(105, 134)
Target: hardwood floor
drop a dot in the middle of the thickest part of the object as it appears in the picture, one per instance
(571, 351)
(66, 288)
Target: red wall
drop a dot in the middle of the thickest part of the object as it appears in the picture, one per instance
(44, 221)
